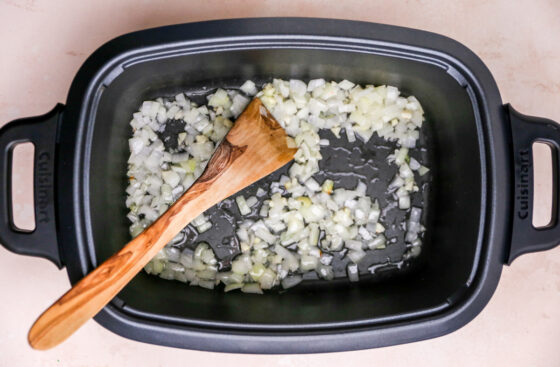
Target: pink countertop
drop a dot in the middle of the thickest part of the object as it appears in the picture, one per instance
(42, 45)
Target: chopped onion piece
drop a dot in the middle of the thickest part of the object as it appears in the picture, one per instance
(219, 99)
(366, 235)
(326, 259)
(264, 234)
(257, 271)
(203, 227)
(249, 88)
(423, 170)
(308, 263)
(291, 281)
(171, 178)
(350, 133)
(252, 201)
(353, 245)
(314, 84)
(356, 256)
(233, 286)
(414, 165)
(352, 270)
(415, 214)
(415, 251)
(346, 85)
(328, 186)
(244, 209)
(267, 279)
(252, 288)
(325, 271)
(312, 185)
(242, 264)
(378, 243)
(411, 236)
(404, 202)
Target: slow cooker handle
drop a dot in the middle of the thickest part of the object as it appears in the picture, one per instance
(41, 131)
(525, 131)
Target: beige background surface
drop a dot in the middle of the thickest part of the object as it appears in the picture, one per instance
(42, 45)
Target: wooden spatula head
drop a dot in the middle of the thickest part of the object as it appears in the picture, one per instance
(255, 147)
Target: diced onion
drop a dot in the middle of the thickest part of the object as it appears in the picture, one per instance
(356, 256)
(249, 88)
(244, 208)
(302, 218)
(352, 270)
(251, 288)
(377, 243)
(291, 281)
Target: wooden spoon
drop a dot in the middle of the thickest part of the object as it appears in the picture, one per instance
(255, 147)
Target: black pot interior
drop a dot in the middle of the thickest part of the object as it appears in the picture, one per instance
(452, 203)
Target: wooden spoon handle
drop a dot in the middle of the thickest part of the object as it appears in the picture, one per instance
(94, 291)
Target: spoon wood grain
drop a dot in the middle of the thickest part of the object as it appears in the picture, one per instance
(255, 147)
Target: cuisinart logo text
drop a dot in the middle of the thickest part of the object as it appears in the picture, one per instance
(523, 188)
(44, 186)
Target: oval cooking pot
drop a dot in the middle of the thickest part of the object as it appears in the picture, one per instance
(480, 201)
